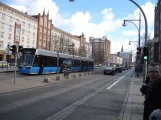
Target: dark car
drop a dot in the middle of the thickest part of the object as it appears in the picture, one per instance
(109, 71)
(118, 69)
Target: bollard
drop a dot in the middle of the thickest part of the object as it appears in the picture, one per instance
(57, 78)
(46, 80)
(80, 75)
(74, 76)
(67, 76)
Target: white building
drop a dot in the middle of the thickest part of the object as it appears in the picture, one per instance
(88, 48)
(64, 41)
(28, 34)
(115, 60)
(127, 58)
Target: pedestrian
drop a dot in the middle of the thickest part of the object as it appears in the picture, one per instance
(155, 115)
(151, 89)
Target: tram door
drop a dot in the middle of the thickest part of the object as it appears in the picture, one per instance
(41, 63)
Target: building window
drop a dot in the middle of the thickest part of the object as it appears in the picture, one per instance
(34, 27)
(9, 43)
(2, 34)
(28, 46)
(17, 21)
(28, 33)
(23, 23)
(44, 36)
(2, 25)
(9, 36)
(11, 19)
(22, 31)
(3, 16)
(44, 30)
(10, 28)
(33, 34)
(29, 26)
(28, 41)
(1, 43)
(22, 39)
(40, 29)
(40, 35)
(17, 38)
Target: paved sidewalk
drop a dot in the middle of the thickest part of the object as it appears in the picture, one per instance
(133, 104)
(9, 69)
(22, 83)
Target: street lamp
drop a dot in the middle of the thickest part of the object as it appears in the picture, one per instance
(146, 35)
(135, 42)
(124, 24)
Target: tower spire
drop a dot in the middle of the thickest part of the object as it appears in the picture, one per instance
(122, 49)
(44, 11)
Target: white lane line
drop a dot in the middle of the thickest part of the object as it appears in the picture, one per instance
(117, 81)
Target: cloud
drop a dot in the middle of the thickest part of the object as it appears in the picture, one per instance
(117, 44)
(130, 33)
(148, 9)
(81, 21)
(19, 7)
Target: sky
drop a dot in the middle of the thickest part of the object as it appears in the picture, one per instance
(95, 18)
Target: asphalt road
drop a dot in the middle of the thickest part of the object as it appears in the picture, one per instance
(95, 97)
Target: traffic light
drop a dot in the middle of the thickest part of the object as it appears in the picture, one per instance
(20, 48)
(13, 49)
(138, 50)
(146, 52)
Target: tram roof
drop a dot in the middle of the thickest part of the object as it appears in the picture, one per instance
(46, 53)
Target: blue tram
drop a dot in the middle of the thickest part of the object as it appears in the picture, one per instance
(37, 61)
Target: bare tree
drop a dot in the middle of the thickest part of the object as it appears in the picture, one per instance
(82, 51)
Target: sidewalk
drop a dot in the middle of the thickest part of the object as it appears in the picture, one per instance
(133, 104)
(23, 83)
(9, 69)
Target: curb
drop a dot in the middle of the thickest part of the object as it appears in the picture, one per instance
(27, 89)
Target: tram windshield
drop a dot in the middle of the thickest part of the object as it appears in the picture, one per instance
(26, 60)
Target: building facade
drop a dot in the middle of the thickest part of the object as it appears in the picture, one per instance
(63, 42)
(157, 33)
(10, 18)
(43, 30)
(115, 60)
(88, 48)
(100, 50)
(127, 56)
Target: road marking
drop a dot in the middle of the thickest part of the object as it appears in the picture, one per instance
(117, 81)
(70, 109)
(16, 104)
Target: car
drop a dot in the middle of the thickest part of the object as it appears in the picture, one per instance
(4, 64)
(109, 71)
(118, 69)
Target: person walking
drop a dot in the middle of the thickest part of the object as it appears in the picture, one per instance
(151, 90)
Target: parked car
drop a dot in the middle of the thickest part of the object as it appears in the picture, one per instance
(123, 68)
(109, 71)
(4, 64)
(118, 69)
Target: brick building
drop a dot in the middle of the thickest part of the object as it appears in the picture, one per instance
(100, 50)
(43, 30)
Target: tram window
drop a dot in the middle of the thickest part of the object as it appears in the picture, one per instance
(50, 61)
(76, 62)
(36, 61)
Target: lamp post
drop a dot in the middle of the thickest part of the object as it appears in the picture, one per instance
(146, 35)
(124, 24)
(135, 42)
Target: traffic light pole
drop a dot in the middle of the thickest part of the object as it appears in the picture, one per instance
(17, 50)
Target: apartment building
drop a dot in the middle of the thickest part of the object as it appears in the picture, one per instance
(10, 19)
(100, 50)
